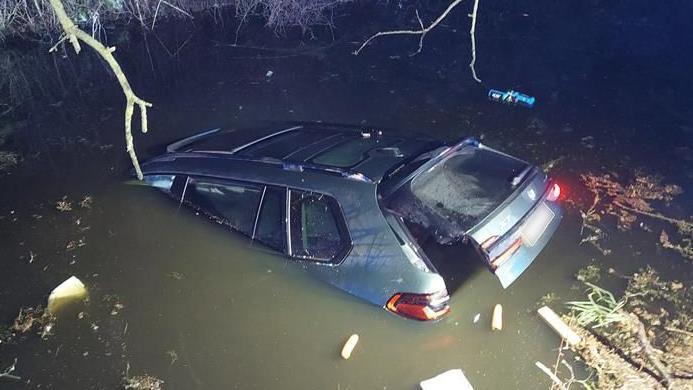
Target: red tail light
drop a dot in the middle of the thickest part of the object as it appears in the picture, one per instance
(488, 242)
(506, 254)
(422, 307)
(553, 193)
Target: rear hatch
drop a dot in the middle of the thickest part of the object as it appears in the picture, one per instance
(473, 193)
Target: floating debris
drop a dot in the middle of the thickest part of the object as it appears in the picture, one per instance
(7, 373)
(175, 275)
(70, 291)
(144, 382)
(451, 379)
(589, 274)
(512, 98)
(8, 160)
(86, 202)
(72, 245)
(30, 318)
(173, 355)
(63, 205)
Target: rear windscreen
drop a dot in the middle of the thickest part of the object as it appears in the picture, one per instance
(458, 192)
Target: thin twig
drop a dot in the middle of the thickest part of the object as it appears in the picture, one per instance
(681, 331)
(156, 13)
(177, 9)
(558, 358)
(556, 380)
(61, 40)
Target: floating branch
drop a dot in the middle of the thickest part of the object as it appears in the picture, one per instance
(9, 370)
(74, 35)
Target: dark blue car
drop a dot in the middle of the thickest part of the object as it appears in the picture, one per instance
(354, 206)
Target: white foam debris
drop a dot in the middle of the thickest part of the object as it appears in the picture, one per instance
(71, 290)
(449, 380)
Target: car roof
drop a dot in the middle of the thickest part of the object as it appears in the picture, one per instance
(346, 149)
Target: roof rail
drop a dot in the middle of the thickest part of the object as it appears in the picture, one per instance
(288, 165)
(187, 141)
(236, 149)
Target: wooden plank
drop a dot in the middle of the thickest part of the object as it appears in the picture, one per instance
(559, 326)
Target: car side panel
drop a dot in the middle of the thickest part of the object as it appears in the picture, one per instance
(374, 269)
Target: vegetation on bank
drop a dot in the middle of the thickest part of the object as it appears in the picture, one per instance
(644, 339)
(35, 18)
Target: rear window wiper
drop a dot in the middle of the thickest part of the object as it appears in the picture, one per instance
(520, 176)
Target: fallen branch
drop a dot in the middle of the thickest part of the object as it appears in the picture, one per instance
(680, 331)
(647, 348)
(654, 215)
(74, 35)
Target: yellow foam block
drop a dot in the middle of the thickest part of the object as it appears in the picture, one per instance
(349, 346)
(497, 321)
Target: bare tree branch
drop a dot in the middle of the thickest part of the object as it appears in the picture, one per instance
(639, 331)
(473, 39)
(424, 30)
(421, 32)
(74, 35)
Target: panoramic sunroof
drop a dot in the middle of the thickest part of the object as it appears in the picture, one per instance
(351, 152)
(282, 145)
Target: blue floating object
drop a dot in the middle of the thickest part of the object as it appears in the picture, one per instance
(512, 98)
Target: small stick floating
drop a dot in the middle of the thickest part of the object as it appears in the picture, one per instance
(349, 346)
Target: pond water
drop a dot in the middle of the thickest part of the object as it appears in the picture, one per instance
(184, 300)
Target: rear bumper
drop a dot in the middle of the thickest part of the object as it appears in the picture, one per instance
(508, 272)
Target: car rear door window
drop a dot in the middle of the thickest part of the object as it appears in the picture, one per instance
(270, 227)
(228, 203)
(317, 227)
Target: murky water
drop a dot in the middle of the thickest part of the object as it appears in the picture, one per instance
(203, 309)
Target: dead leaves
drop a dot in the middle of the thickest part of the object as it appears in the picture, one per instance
(628, 202)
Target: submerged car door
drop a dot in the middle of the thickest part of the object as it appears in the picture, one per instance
(270, 221)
